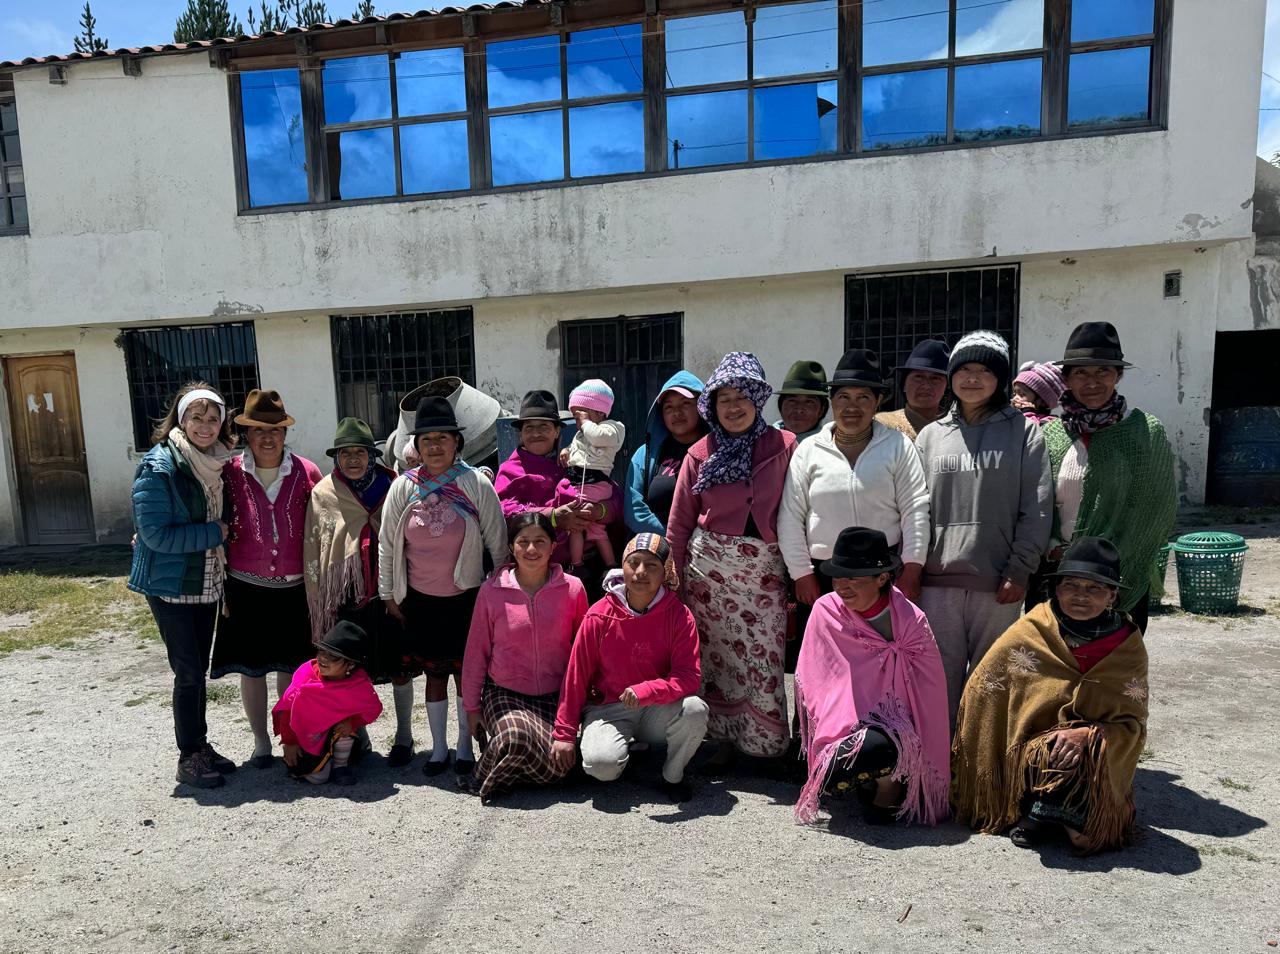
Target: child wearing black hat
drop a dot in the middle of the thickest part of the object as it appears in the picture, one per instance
(329, 700)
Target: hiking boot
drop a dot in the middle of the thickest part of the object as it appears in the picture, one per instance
(219, 762)
(197, 771)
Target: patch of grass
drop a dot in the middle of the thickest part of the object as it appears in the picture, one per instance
(1227, 851)
(26, 592)
(221, 693)
(129, 703)
(35, 712)
(66, 609)
(1234, 785)
(1147, 755)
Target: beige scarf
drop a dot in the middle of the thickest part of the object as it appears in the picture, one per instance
(207, 466)
(332, 568)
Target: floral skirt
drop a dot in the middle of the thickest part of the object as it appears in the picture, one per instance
(738, 596)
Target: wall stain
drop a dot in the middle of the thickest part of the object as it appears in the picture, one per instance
(1194, 223)
(1264, 291)
(1182, 366)
(227, 308)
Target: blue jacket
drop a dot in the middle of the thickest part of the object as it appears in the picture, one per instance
(636, 512)
(171, 517)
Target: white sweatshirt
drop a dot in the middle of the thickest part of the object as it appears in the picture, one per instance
(596, 445)
(885, 490)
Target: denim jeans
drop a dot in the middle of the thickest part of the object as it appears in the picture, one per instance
(187, 632)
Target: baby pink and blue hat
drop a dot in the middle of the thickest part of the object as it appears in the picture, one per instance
(594, 395)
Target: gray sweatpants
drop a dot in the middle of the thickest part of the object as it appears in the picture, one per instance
(609, 729)
(965, 623)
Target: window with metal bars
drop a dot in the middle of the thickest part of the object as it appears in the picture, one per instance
(377, 359)
(158, 361)
(634, 356)
(13, 189)
(892, 313)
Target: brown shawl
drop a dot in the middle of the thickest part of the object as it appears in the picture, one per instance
(1028, 686)
(331, 551)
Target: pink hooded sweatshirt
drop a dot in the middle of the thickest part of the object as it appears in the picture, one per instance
(521, 642)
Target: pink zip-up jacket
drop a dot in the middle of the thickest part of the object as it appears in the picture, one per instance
(521, 642)
(655, 653)
(266, 538)
(724, 507)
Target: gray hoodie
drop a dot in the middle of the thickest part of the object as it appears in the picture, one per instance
(990, 499)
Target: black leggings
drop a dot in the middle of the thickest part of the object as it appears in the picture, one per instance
(875, 759)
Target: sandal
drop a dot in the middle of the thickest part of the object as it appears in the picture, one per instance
(1028, 833)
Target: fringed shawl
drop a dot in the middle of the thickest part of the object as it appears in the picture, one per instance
(312, 705)
(1028, 686)
(849, 678)
(336, 560)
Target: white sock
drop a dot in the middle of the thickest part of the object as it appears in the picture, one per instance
(342, 751)
(253, 694)
(464, 733)
(403, 696)
(438, 720)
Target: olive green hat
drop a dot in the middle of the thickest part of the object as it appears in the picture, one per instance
(353, 432)
(805, 377)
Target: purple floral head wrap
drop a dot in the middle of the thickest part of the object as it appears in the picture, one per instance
(731, 461)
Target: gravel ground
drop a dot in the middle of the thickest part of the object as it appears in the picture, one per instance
(102, 852)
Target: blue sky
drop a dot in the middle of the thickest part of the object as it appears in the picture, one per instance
(30, 28)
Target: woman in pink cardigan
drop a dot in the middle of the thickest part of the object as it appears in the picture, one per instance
(724, 536)
(265, 625)
(526, 617)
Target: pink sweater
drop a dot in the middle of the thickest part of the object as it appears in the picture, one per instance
(521, 643)
(655, 654)
(266, 538)
(724, 507)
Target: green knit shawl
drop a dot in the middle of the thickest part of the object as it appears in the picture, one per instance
(1129, 495)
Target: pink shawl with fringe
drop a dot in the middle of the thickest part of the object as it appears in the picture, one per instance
(311, 706)
(849, 678)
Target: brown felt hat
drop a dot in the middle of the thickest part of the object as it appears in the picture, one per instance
(264, 409)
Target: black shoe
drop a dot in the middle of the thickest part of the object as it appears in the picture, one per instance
(432, 769)
(342, 776)
(680, 791)
(262, 761)
(219, 762)
(197, 771)
(1029, 833)
(875, 814)
(469, 783)
(464, 766)
(400, 756)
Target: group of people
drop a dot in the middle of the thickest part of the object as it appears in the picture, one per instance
(940, 579)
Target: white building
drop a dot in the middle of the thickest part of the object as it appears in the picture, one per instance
(346, 211)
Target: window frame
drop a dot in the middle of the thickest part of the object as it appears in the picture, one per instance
(7, 99)
(1055, 53)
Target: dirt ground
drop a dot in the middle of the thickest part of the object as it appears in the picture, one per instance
(101, 850)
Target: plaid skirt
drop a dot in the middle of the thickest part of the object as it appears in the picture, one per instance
(519, 746)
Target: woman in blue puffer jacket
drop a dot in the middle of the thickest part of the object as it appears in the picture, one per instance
(673, 426)
(178, 559)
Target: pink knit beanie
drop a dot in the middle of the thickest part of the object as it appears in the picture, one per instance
(594, 395)
(1046, 380)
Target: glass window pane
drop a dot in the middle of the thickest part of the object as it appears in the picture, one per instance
(1100, 19)
(798, 120)
(904, 109)
(274, 151)
(998, 100)
(430, 81)
(13, 180)
(795, 38)
(6, 217)
(523, 71)
(18, 205)
(8, 116)
(362, 163)
(10, 148)
(986, 27)
(1109, 87)
(527, 147)
(710, 49)
(605, 62)
(605, 140)
(357, 89)
(434, 157)
(903, 31)
(707, 129)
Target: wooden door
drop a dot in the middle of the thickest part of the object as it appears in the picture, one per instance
(48, 449)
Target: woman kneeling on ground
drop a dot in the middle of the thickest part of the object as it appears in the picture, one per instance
(1054, 718)
(178, 562)
(871, 693)
(634, 673)
(525, 620)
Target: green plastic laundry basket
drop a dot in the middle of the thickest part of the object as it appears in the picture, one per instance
(1162, 568)
(1209, 568)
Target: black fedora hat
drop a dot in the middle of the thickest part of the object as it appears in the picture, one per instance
(929, 355)
(435, 414)
(1094, 343)
(858, 368)
(347, 640)
(861, 552)
(1091, 558)
(539, 406)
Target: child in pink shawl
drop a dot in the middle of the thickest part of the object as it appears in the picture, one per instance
(871, 693)
(329, 700)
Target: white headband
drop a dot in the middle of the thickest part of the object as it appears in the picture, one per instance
(201, 394)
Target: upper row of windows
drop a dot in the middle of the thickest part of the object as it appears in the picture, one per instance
(742, 86)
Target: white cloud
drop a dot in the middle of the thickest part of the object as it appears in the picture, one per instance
(29, 36)
(1018, 26)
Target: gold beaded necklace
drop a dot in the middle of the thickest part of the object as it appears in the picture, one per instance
(855, 441)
